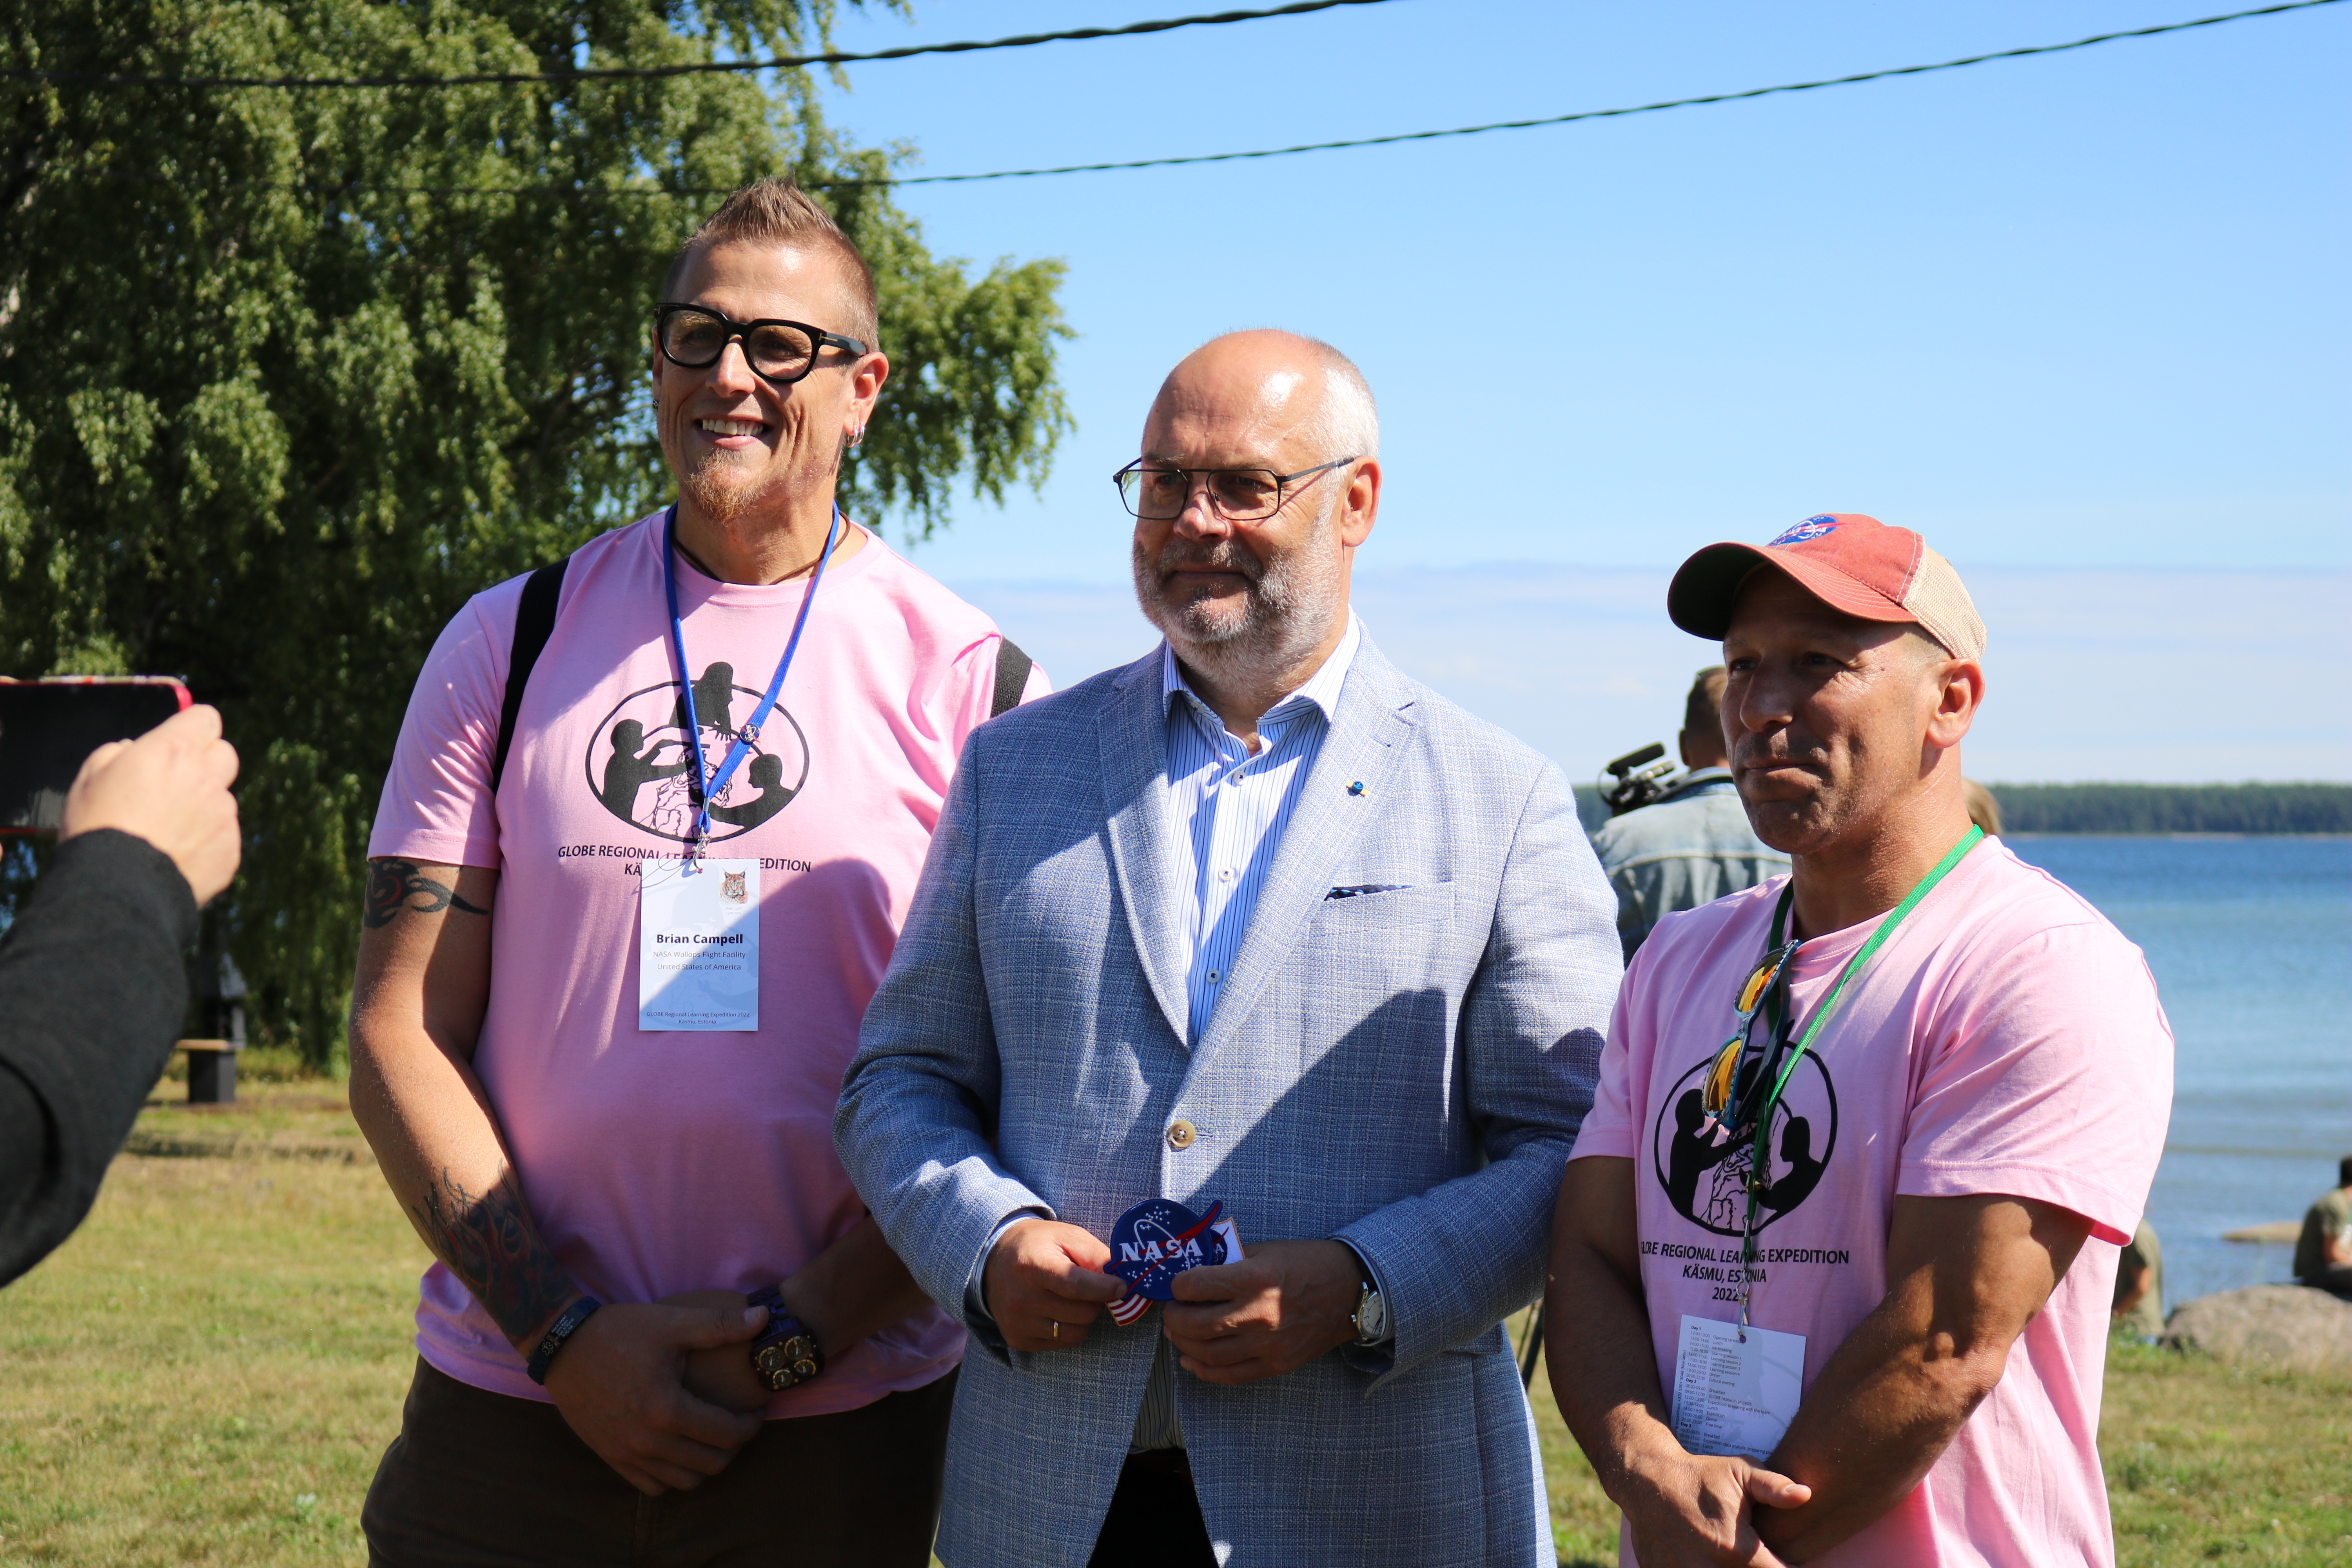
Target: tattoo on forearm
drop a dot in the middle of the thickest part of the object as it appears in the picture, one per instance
(489, 1242)
(394, 886)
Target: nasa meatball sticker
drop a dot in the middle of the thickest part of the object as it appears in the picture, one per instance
(1159, 1238)
(1811, 528)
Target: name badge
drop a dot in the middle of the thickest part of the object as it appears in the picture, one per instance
(1736, 1390)
(699, 946)
(1159, 1238)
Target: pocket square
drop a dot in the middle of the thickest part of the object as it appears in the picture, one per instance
(1360, 889)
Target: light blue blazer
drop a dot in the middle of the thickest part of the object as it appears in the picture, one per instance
(1403, 1070)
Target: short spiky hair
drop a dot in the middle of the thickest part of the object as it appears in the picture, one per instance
(775, 211)
(1702, 709)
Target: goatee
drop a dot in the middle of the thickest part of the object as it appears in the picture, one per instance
(1286, 606)
(722, 492)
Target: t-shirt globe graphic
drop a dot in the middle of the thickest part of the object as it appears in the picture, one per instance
(638, 764)
(1705, 1173)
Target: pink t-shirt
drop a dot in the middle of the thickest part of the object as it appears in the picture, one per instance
(657, 1163)
(2005, 1040)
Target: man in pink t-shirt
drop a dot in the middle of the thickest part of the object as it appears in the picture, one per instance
(1821, 1291)
(628, 904)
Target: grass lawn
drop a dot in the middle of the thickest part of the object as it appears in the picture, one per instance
(2205, 1464)
(207, 1373)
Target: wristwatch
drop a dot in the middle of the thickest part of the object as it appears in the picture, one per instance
(1371, 1318)
(787, 1352)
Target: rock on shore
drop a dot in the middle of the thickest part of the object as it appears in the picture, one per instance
(2292, 1328)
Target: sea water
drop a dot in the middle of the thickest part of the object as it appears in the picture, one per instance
(2251, 943)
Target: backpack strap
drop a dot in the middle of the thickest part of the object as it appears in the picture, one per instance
(534, 621)
(1012, 668)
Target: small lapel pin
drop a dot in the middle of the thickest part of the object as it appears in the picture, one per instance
(1357, 788)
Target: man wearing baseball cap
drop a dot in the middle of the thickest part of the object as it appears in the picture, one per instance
(1821, 1291)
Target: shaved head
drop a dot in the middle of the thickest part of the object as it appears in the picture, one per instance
(1304, 384)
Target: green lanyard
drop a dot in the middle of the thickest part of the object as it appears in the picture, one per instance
(1759, 1164)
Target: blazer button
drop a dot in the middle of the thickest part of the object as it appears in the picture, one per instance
(1180, 1134)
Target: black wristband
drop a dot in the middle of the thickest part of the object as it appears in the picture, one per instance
(558, 1332)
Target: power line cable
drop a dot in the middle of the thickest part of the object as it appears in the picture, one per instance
(1598, 114)
(696, 68)
(325, 187)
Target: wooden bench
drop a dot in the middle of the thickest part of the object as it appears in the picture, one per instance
(212, 1071)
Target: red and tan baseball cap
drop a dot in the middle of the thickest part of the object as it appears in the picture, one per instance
(1848, 561)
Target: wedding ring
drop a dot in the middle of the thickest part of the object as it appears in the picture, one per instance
(1057, 1329)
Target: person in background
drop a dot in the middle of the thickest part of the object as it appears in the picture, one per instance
(2323, 1253)
(2139, 1285)
(92, 989)
(1692, 845)
(1983, 809)
(603, 1007)
(1857, 1126)
(1255, 920)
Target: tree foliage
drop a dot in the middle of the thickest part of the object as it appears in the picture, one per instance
(285, 375)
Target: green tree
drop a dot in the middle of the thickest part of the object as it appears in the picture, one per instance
(285, 375)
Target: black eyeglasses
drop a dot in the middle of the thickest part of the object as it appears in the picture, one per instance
(1158, 493)
(779, 353)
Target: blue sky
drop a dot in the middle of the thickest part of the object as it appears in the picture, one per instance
(2078, 314)
(2152, 674)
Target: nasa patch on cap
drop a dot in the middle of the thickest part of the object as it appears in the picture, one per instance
(1811, 528)
(1159, 1238)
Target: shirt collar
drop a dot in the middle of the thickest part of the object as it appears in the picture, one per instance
(1322, 687)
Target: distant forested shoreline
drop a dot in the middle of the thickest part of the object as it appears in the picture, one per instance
(2175, 808)
(2143, 807)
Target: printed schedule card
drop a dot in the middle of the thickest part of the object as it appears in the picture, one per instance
(1732, 1397)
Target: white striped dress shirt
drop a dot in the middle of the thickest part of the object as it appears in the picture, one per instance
(1229, 808)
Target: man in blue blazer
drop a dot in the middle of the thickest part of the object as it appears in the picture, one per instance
(1255, 920)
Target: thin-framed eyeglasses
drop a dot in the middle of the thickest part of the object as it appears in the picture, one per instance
(1159, 493)
(779, 353)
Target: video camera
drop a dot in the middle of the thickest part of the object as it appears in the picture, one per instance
(1635, 779)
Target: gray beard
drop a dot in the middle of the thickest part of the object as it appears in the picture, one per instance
(1285, 612)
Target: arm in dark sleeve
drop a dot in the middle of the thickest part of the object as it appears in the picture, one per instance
(91, 996)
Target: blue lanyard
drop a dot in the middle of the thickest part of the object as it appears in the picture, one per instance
(749, 734)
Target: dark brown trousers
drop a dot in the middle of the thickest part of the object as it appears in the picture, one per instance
(479, 1479)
